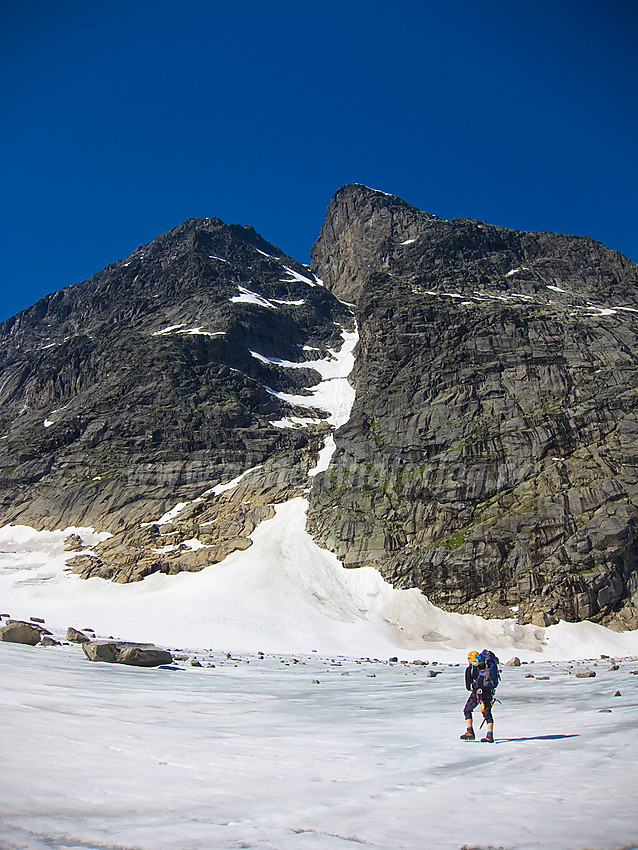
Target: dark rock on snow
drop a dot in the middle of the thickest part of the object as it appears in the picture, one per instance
(124, 652)
(76, 636)
(491, 458)
(74, 543)
(17, 631)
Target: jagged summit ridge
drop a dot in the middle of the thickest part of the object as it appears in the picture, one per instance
(181, 263)
(366, 230)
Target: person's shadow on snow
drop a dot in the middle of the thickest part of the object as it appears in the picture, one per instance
(534, 738)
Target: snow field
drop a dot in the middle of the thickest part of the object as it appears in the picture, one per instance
(272, 754)
(333, 394)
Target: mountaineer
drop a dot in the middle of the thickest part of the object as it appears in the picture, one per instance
(481, 679)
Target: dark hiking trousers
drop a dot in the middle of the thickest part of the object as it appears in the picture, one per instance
(473, 701)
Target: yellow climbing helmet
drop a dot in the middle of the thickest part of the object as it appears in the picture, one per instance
(472, 656)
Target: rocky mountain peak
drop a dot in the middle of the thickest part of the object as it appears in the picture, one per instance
(160, 375)
(164, 280)
(490, 455)
(361, 228)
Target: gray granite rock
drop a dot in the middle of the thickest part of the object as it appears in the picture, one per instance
(124, 652)
(140, 388)
(76, 636)
(491, 458)
(17, 631)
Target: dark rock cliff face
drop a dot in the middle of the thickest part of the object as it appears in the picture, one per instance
(491, 458)
(156, 379)
(361, 230)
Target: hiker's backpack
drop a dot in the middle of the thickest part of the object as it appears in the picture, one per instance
(491, 675)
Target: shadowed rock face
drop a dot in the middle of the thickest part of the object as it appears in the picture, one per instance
(140, 388)
(491, 458)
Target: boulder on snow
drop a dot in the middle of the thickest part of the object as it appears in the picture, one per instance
(76, 636)
(126, 652)
(514, 662)
(144, 655)
(101, 650)
(585, 674)
(17, 631)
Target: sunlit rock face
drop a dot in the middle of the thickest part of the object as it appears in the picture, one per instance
(491, 457)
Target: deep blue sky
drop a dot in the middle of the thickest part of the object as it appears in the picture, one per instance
(121, 118)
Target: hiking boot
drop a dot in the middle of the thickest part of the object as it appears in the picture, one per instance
(489, 738)
(469, 735)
